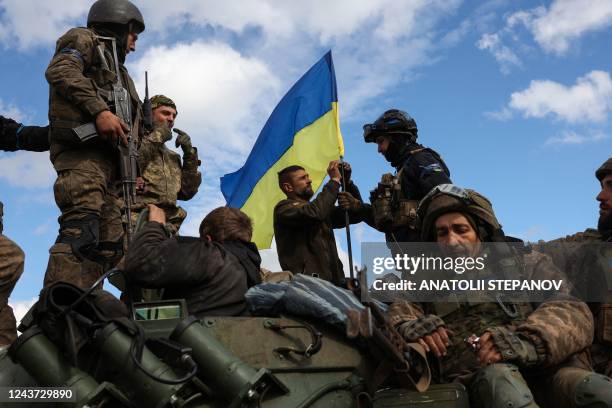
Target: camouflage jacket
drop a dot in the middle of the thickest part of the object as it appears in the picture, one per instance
(582, 256)
(557, 328)
(80, 87)
(166, 178)
(304, 232)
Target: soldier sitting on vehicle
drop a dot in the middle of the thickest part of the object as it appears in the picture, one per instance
(212, 272)
(523, 356)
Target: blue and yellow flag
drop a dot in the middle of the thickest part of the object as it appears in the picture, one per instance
(303, 129)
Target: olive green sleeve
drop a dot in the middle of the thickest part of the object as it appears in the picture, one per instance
(191, 178)
(290, 212)
(74, 54)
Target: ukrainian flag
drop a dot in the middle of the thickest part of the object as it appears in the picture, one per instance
(304, 129)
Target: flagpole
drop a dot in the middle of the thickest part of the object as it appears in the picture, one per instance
(348, 227)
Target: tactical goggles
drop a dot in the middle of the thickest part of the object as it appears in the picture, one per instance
(392, 125)
(448, 189)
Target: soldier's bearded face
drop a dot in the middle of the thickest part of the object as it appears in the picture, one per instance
(605, 203)
(302, 185)
(164, 115)
(457, 236)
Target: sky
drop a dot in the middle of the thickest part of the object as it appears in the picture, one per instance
(515, 95)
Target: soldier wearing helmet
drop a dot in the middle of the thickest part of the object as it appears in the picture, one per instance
(585, 258)
(419, 169)
(86, 66)
(510, 340)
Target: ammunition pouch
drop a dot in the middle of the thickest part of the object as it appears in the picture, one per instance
(391, 211)
(512, 347)
(413, 330)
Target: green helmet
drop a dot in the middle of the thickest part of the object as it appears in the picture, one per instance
(115, 12)
(604, 170)
(392, 122)
(446, 198)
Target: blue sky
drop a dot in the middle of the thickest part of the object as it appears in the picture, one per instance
(515, 95)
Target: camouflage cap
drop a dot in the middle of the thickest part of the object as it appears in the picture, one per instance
(450, 198)
(162, 100)
(604, 170)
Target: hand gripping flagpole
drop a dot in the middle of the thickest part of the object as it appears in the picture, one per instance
(348, 226)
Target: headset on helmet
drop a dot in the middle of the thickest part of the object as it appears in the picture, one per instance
(115, 12)
(392, 122)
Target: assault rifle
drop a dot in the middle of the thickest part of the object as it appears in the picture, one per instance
(406, 361)
(128, 155)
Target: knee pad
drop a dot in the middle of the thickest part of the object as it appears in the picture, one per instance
(86, 242)
(501, 385)
(594, 391)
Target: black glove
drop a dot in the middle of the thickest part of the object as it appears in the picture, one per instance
(513, 346)
(348, 202)
(413, 330)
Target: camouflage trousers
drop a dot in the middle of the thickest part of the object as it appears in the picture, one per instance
(90, 215)
(174, 217)
(11, 267)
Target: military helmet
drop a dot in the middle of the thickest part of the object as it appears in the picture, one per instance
(392, 122)
(604, 170)
(115, 12)
(446, 198)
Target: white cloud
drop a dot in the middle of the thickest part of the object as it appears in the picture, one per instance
(504, 114)
(25, 24)
(565, 21)
(27, 169)
(589, 99)
(572, 138)
(269, 258)
(45, 227)
(11, 111)
(506, 58)
(21, 307)
(222, 96)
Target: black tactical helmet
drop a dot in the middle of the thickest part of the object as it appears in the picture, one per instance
(115, 12)
(604, 170)
(392, 122)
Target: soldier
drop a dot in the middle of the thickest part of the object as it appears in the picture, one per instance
(303, 229)
(585, 257)
(165, 178)
(11, 268)
(82, 75)
(15, 136)
(212, 273)
(524, 356)
(419, 169)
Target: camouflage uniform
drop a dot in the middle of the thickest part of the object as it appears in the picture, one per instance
(11, 268)
(304, 233)
(90, 238)
(166, 179)
(584, 257)
(546, 360)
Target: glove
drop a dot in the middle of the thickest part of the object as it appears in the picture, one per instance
(348, 202)
(183, 140)
(415, 329)
(513, 347)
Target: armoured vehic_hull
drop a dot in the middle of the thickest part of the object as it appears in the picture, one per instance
(241, 362)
